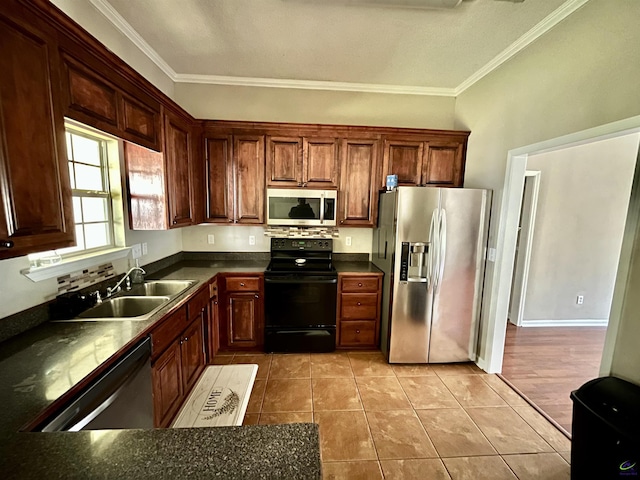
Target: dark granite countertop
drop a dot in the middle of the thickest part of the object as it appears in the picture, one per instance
(39, 368)
(356, 267)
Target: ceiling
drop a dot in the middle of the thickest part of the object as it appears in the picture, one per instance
(333, 44)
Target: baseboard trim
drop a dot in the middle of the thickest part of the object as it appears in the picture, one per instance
(580, 322)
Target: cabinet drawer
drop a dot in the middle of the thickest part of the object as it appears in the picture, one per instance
(358, 305)
(360, 284)
(199, 302)
(358, 333)
(243, 284)
(168, 331)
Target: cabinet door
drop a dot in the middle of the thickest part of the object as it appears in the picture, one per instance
(219, 201)
(404, 159)
(167, 386)
(320, 163)
(192, 352)
(358, 183)
(36, 211)
(248, 155)
(178, 157)
(244, 322)
(139, 122)
(442, 165)
(284, 161)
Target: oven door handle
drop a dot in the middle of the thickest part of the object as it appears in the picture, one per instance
(300, 279)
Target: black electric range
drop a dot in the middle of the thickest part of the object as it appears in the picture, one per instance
(300, 296)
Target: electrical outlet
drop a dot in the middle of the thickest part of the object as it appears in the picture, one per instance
(211, 239)
(144, 248)
(347, 241)
(580, 299)
(252, 239)
(136, 251)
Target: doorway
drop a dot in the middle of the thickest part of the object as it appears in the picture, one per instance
(494, 331)
(524, 243)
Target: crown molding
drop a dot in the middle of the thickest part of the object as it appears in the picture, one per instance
(314, 85)
(110, 13)
(532, 35)
(118, 21)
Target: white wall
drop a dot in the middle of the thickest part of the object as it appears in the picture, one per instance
(218, 102)
(581, 74)
(236, 239)
(84, 13)
(580, 218)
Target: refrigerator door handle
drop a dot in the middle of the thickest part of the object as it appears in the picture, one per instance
(433, 240)
(442, 244)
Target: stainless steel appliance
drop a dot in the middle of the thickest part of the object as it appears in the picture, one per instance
(430, 243)
(121, 397)
(300, 296)
(302, 206)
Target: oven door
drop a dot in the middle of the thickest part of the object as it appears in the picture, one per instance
(300, 301)
(301, 207)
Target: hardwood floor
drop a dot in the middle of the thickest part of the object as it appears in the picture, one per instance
(546, 364)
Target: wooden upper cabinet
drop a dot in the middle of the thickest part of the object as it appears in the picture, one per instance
(35, 215)
(248, 157)
(357, 198)
(219, 178)
(443, 164)
(284, 161)
(403, 159)
(91, 97)
(178, 157)
(302, 162)
(320, 168)
(424, 162)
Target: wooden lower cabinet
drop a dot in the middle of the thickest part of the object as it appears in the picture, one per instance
(168, 391)
(176, 367)
(358, 310)
(241, 320)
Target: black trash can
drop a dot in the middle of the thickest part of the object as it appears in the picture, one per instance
(606, 430)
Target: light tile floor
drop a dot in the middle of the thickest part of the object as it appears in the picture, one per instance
(450, 422)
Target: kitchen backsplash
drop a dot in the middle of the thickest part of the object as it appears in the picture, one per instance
(257, 239)
(75, 281)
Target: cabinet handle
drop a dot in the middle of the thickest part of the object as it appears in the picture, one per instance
(359, 284)
(6, 243)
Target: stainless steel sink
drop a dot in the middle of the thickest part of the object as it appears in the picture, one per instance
(125, 308)
(139, 303)
(160, 288)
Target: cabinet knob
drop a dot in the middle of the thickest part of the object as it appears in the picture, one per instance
(299, 184)
(186, 339)
(357, 331)
(6, 243)
(257, 296)
(359, 304)
(241, 284)
(215, 303)
(359, 284)
(231, 220)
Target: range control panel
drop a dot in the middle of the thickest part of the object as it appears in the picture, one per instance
(305, 244)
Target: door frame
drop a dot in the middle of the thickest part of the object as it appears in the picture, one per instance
(523, 254)
(500, 290)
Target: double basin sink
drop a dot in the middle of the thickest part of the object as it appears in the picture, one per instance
(139, 303)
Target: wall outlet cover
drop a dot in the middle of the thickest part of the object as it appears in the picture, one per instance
(252, 239)
(347, 241)
(145, 250)
(211, 239)
(136, 251)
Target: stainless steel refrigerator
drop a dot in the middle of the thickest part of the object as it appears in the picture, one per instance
(431, 245)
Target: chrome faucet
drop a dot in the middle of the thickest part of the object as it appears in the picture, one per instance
(116, 288)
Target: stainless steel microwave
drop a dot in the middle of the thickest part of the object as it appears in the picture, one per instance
(301, 207)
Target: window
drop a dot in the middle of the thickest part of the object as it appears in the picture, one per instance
(92, 206)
